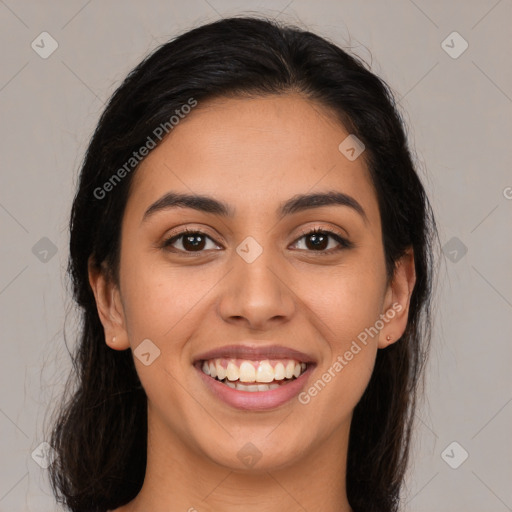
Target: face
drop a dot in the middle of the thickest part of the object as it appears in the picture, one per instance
(248, 275)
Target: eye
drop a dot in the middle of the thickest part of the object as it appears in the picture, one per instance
(190, 241)
(316, 240)
(323, 241)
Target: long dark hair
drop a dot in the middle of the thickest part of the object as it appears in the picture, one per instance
(99, 435)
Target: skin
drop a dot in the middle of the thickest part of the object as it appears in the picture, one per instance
(253, 154)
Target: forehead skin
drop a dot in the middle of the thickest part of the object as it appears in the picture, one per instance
(254, 154)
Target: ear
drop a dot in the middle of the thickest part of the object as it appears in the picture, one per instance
(396, 302)
(110, 308)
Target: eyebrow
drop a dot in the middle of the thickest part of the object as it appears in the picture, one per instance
(297, 203)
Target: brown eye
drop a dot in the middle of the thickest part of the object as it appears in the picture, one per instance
(317, 241)
(194, 242)
(323, 241)
(190, 241)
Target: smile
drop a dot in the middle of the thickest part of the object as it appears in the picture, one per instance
(253, 376)
(254, 385)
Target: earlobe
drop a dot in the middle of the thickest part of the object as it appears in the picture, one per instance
(109, 306)
(398, 296)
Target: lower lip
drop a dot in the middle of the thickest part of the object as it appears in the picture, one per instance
(256, 400)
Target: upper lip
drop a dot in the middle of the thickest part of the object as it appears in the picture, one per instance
(255, 352)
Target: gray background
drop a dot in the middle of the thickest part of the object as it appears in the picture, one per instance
(458, 112)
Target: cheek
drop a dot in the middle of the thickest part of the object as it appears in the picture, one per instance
(163, 305)
(345, 301)
(345, 306)
(345, 310)
(159, 300)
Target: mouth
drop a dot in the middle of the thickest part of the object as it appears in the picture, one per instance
(252, 377)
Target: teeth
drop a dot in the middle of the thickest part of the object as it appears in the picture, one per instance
(250, 387)
(246, 371)
(265, 372)
(279, 371)
(232, 371)
(221, 371)
(290, 367)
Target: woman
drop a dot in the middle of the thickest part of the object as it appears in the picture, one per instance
(252, 250)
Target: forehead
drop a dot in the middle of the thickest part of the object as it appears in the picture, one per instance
(250, 150)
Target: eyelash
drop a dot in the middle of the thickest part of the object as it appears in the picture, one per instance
(343, 242)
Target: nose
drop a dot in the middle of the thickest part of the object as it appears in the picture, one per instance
(256, 295)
